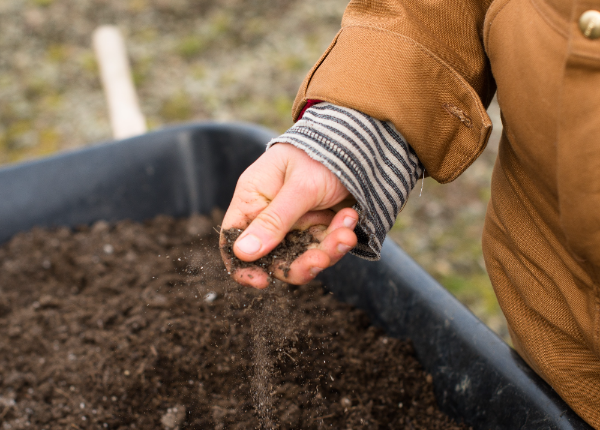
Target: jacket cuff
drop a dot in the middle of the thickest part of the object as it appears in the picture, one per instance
(393, 78)
(371, 159)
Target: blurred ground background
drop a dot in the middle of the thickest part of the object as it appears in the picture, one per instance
(220, 60)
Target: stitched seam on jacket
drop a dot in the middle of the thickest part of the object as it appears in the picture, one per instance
(549, 19)
(322, 59)
(430, 54)
(312, 72)
(488, 24)
(597, 322)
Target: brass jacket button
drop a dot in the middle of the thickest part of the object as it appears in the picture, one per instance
(589, 24)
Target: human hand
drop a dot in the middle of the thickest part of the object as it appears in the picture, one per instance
(283, 190)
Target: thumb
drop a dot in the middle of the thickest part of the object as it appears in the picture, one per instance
(270, 226)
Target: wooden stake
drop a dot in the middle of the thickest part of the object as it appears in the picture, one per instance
(126, 117)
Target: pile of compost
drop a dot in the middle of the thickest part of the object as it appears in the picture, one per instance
(138, 326)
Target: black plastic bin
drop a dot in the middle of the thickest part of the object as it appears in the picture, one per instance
(193, 168)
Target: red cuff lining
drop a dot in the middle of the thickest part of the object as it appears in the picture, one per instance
(309, 103)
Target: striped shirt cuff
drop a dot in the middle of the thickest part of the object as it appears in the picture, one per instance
(371, 159)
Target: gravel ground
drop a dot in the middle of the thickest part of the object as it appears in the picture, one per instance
(220, 60)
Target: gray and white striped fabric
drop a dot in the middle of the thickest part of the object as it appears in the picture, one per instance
(371, 159)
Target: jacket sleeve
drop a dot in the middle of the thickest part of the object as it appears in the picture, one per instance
(419, 64)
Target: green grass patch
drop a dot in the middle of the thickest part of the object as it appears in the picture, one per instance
(190, 47)
(42, 3)
(177, 108)
(475, 291)
(57, 53)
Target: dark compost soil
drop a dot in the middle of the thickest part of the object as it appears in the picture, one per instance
(138, 326)
(292, 246)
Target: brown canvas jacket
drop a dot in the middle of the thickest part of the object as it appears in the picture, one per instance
(431, 67)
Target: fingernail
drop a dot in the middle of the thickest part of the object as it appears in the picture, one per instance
(349, 222)
(249, 244)
(314, 271)
(342, 248)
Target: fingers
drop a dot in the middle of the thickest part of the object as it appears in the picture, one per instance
(252, 277)
(314, 218)
(340, 237)
(271, 225)
(335, 242)
(304, 268)
(345, 218)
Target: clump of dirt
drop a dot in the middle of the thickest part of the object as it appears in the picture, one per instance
(295, 243)
(138, 326)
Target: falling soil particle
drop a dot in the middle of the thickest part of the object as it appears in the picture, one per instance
(295, 243)
(174, 417)
(123, 336)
